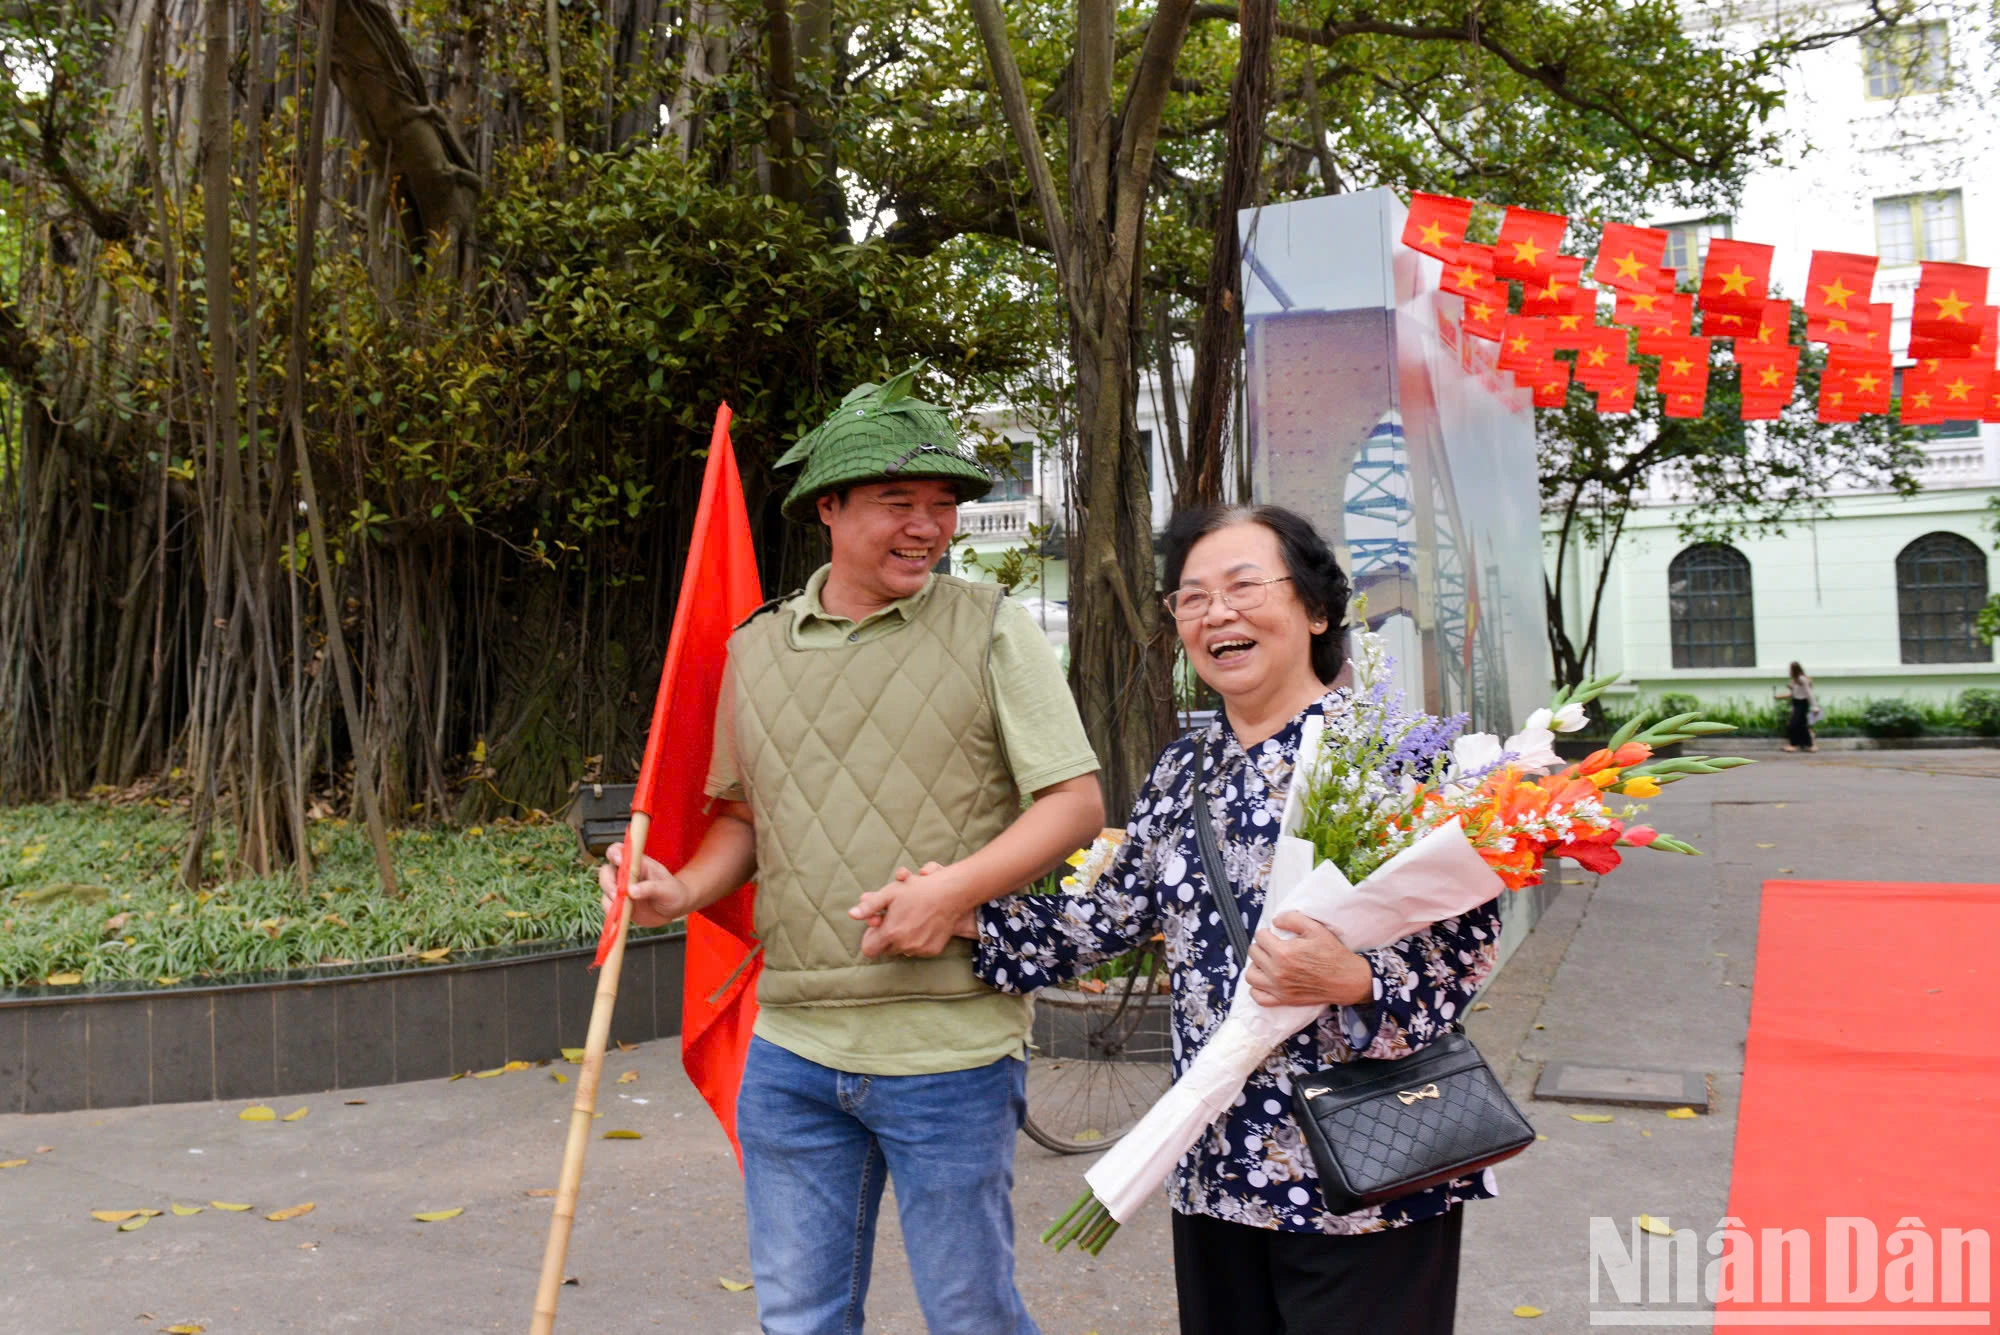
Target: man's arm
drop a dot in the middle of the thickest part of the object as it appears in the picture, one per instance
(918, 916)
(726, 859)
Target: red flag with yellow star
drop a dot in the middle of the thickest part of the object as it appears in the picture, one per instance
(1683, 362)
(1526, 248)
(1603, 360)
(1949, 303)
(1628, 257)
(1774, 327)
(1486, 311)
(1736, 276)
(1572, 329)
(1767, 377)
(1866, 378)
(1469, 269)
(1643, 310)
(1524, 343)
(1837, 404)
(1436, 223)
(1982, 348)
(1553, 293)
(1940, 390)
(1838, 284)
(1552, 386)
(1616, 397)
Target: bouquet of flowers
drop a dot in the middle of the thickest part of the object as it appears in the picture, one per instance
(1397, 820)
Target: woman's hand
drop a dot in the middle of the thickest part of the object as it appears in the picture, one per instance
(1311, 968)
(658, 896)
(909, 917)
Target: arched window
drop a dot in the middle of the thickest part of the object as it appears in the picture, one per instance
(1708, 606)
(1940, 587)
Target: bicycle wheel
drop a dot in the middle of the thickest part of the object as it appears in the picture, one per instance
(1101, 1058)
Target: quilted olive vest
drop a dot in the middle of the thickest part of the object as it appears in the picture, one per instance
(859, 759)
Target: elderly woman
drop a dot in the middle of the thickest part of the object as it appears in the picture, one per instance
(1259, 602)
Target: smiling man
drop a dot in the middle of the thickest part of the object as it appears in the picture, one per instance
(885, 718)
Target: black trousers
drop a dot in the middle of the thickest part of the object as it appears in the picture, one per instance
(1797, 731)
(1238, 1280)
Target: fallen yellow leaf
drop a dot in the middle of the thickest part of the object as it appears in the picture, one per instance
(12, 1163)
(559, 1077)
(623, 1135)
(63, 979)
(226, 1205)
(289, 1212)
(519, 913)
(434, 955)
(356, 1103)
(131, 1224)
(258, 1112)
(1659, 1227)
(488, 1075)
(573, 1055)
(628, 1077)
(1767, 845)
(185, 1210)
(1482, 1006)
(733, 1285)
(1525, 1310)
(185, 1330)
(434, 1216)
(623, 1046)
(1681, 1114)
(541, 1191)
(296, 1115)
(166, 980)
(115, 1216)
(1590, 1117)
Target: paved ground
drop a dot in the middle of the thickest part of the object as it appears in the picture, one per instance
(1652, 967)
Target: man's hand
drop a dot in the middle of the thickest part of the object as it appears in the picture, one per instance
(914, 915)
(1311, 968)
(658, 896)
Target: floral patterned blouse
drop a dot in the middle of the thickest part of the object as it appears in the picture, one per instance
(1252, 1167)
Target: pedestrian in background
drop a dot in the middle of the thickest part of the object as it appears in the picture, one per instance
(1805, 711)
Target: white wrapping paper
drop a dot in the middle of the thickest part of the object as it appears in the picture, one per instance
(1438, 877)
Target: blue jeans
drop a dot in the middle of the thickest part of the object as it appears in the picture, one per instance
(818, 1145)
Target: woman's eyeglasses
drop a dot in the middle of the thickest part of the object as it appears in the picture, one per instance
(1241, 596)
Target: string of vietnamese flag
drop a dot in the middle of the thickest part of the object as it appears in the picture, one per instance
(1954, 331)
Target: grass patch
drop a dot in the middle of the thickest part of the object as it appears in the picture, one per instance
(1844, 717)
(92, 889)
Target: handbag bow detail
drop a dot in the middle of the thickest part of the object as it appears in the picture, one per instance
(1409, 1096)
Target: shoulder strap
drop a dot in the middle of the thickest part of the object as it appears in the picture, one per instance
(1211, 864)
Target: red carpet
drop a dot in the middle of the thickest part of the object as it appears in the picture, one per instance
(1871, 1095)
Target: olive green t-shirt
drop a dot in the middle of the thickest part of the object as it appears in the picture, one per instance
(1043, 739)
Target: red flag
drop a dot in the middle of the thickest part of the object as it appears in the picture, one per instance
(1552, 388)
(1685, 402)
(1727, 324)
(1949, 303)
(1767, 377)
(1603, 359)
(1865, 329)
(1555, 291)
(1944, 391)
(1992, 413)
(1616, 397)
(1486, 311)
(1436, 223)
(1774, 329)
(718, 589)
(1527, 245)
(1642, 310)
(1573, 329)
(1838, 284)
(1865, 378)
(1837, 404)
(1469, 270)
(1524, 343)
(1629, 257)
(1683, 378)
(1736, 276)
(1981, 350)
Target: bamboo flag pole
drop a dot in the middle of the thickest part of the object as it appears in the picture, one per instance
(584, 1111)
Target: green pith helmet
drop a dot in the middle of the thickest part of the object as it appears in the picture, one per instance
(879, 433)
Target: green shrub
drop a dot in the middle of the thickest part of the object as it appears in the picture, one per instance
(1892, 718)
(1677, 702)
(1979, 709)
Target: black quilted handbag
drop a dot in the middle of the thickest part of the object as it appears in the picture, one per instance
(1382, 1129)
